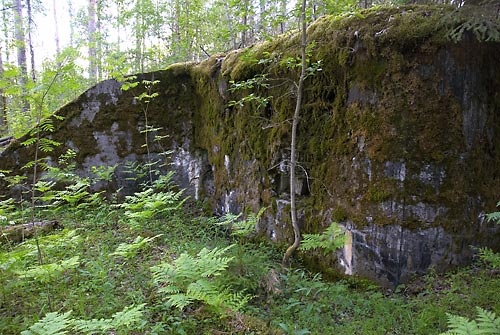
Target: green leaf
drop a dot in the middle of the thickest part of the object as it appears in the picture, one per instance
(29, 142)
(52, 324)
(330, 240)
(47, 272)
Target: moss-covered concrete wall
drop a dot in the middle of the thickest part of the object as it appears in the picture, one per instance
(399, 137)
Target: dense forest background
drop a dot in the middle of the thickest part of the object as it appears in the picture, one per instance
(70, 45)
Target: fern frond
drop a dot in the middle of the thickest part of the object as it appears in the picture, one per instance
(459, 325)
(330, 240)
(129, 250)
(47, 125)
(52, 324)
(169, 289)
(492, 258)
(179, 300)
(130, 316)
(193, 278)
(47, 272)
(487, 321)
(495, 216)
(92, 326)
(48, 145)
(212, 262)
(29, 141)
(15, 260)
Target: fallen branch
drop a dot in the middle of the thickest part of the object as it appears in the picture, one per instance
(19, 233)
(5, 141)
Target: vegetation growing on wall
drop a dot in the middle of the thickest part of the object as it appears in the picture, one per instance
(368, 102)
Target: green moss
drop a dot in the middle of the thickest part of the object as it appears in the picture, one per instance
(378, 193)
(339, 214)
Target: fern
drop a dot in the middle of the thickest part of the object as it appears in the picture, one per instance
(7, 210)
(495, 216)
(189, 279)
(148, 204)
(47, 272)
(95, 326)
(129, 250)
(490, 257)
(51, 324)
(482, 21)
(240, 228)
(330, 240)
(485, 323)
(130, 318)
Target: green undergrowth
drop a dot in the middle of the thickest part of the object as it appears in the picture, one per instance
(182, 273)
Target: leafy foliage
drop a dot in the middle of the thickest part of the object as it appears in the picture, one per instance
(482, 21)
(490, 257)
(495, 216)
(485, 323)
(486, 254)
(46, 273)
(189, 279)
(147, 204)
(130, 318)
(129, 250)
(237, 227)
(52, 324)
(330, 240)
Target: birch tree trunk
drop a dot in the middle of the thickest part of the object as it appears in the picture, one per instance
(71, 23)
(92, 40)
(30, 41)
(139, 36)
(56, 36)
(3, 100)
(284, 14)
(20, 42)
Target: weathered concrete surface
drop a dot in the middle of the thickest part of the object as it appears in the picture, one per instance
(399, 138)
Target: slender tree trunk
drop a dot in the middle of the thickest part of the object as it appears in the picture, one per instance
(6, 31)
(3, 104)
(230, 25)
(21, 53)
(30, 41)
(283, 18)
(293, 158)
(56, 36)
(20, 42)
(262, 19)
(118, 25)
(3, 100)
(139, 40)
(92, 40)
(244, 32)
(98, 41)
(71, 21)
(187, 33)
(176, 34)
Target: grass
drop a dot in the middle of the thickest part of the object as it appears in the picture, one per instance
(282, 301)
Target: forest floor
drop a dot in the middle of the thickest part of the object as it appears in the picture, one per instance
(144, 267)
